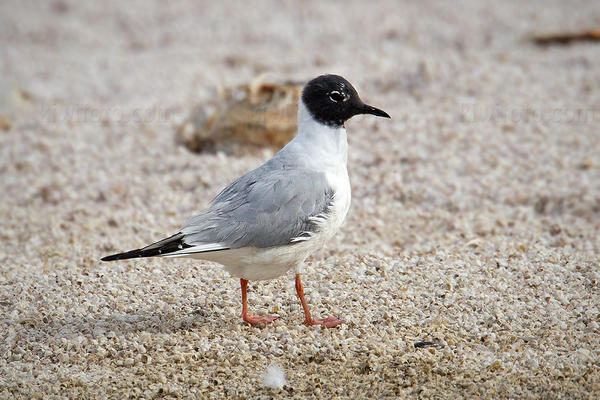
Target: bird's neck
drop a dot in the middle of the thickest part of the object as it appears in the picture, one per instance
(322, 143)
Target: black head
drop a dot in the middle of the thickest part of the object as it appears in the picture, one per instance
(332, 100)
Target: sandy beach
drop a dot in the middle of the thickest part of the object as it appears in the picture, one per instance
(475, 217)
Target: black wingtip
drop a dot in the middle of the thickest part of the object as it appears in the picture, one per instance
(160, 248)
(124, 256)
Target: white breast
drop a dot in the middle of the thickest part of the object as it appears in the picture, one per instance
(325, 149)
(340, 183)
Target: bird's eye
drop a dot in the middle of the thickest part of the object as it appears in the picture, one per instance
(336, 96)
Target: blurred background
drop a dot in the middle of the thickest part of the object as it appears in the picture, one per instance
(484, 187)
(95, 94)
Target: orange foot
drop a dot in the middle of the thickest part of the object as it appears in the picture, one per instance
(329, 322)
(255, 320)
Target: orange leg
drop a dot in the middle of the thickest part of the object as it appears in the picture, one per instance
(252, 319)
(329, 322)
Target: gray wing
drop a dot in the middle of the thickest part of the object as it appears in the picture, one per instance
(270, 206)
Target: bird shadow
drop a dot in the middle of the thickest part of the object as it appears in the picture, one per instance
(120, 323)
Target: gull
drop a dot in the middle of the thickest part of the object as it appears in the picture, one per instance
(271, 219)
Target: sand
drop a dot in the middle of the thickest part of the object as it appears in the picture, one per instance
(475, 221)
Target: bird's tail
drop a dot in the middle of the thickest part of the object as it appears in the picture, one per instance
(161, 248)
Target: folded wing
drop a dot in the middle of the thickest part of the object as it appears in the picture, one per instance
(270, 206)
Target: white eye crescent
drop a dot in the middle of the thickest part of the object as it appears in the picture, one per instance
(336, 96)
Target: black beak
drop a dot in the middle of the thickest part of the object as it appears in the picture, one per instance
(367, 109)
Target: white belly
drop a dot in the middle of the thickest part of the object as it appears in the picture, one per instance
(255, 263)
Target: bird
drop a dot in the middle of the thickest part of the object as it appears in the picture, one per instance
(271, 219)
